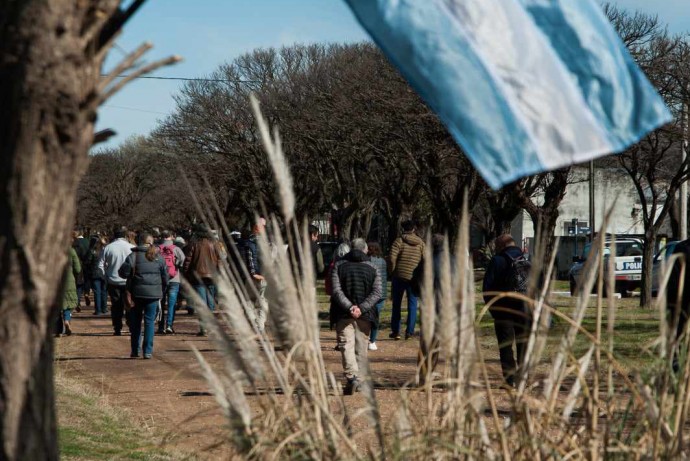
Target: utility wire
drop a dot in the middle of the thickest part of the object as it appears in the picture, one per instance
(190, 79)
(135, 109)
(120, 49)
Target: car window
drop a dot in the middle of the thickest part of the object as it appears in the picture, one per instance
(668, 249)
(629, 249)
(588, 247)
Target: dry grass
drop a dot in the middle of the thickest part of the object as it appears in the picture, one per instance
(91, 429)
(577, 398)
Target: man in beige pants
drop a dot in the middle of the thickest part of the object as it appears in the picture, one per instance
(356, 290)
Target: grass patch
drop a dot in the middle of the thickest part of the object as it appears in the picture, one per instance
(89, 429)
(635, 330)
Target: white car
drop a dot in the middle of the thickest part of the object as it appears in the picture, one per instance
(628, 260)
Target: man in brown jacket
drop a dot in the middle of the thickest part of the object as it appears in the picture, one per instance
(406, 254)
(201, 264)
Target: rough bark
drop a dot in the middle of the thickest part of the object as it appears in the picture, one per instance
(545, 214)
(50, 87)
(46, 80)
(647, 265)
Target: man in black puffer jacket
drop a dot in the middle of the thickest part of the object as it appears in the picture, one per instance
(356, 290)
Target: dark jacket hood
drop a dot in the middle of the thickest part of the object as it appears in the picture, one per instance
(356, 256)
(412, 239)
(512, 251)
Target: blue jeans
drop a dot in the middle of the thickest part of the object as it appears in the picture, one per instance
(207, 292)
(375, 329)
(65, 315)
(400, 287)
(100, 296)
(171, 301)
(145, 309)
(80, 293)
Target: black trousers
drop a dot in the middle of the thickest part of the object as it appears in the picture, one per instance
(117, 310)
(512, 324)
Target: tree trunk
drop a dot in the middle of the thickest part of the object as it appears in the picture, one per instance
(48, 86)
(545, 220)
(365, 220)
(674, 216)
(647, 263)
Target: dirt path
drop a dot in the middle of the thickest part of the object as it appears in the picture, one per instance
(168, 392)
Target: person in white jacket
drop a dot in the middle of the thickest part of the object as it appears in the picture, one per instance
(113, 256)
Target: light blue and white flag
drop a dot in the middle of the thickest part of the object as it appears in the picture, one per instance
(524, 86)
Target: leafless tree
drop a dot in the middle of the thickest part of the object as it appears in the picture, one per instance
(655, 165)
(359, 140)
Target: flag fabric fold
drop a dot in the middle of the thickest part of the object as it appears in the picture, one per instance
(524, 86)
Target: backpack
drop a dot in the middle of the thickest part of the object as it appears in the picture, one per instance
(517, 275)
(168, 254)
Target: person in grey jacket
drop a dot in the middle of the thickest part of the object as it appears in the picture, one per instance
(147, 277)
(109, 263)
(356, 290)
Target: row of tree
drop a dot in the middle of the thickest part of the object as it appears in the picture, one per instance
(360, 143)
(359, 140)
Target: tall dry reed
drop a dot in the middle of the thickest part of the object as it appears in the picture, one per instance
(282, 402)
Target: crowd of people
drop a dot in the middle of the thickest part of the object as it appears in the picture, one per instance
(142, 274)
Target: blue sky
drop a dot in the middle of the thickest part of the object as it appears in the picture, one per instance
(207, 33)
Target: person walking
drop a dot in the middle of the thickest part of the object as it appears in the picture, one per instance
(677, 301)
(69, 295)
(132, 238)
(81, 246)
(251, 257)
(316, 254)
(174, 260)
(356, 290)
(507, 272)
(376, 257)
(427, 358)
(407, 252)
(200, 265)
(147, 277)
(340, 252)
(97, 277)
(110, 261)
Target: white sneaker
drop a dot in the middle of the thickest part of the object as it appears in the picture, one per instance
(372, 347)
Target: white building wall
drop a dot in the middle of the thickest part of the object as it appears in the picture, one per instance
(613, 189)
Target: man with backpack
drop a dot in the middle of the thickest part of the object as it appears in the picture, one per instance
(508, 271)
(173, 256)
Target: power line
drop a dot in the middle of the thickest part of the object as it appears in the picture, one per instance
(189, 79)
(120, 49)
(134, 109)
